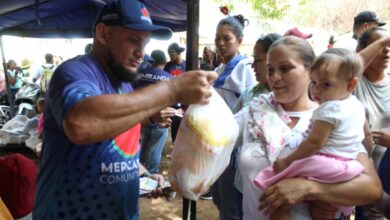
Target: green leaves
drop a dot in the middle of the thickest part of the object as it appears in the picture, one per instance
(264, 9)
(270, 9)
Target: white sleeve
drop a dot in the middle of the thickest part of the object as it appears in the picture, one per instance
(241, 77)
(329, 112)
(239, 104)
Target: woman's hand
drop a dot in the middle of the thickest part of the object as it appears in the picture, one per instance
(285, 193)
(381, 137)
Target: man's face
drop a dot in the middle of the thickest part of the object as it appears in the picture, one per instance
(367, 26)
(382, 60)
(207, 54)
(173, 56)
(259, 64)
(125, 50)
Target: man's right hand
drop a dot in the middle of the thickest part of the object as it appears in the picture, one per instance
(193, 87)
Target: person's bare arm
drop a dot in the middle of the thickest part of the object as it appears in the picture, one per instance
(12, 80)
(103, 117)
(363, 189)
(317, 138)
(368, 142)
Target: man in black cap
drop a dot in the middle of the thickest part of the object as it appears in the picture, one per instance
(363, 21)
(89, 162)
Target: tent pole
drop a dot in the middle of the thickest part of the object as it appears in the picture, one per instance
(192, 56)
(192, 63)
(9, 93)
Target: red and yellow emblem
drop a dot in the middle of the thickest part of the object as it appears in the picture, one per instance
(127, 143)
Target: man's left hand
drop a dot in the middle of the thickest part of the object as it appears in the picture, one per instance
(158, 191)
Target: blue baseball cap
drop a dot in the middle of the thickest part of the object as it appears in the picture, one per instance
(131, 14)
(148, 58)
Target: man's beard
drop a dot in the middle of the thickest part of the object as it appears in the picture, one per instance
(119, 71)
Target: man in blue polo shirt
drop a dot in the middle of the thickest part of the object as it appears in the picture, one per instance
(89, 162)
(154, 73)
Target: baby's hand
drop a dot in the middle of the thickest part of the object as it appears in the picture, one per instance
(280, 164)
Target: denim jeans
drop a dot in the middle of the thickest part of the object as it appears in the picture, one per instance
(153, 141)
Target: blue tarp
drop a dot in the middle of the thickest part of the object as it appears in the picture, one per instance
(74, 18)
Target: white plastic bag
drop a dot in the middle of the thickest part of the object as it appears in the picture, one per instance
(203, 147)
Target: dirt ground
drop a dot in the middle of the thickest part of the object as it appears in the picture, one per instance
(160, 209)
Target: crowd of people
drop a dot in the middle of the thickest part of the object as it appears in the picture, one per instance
(18, 75)
(325, 118)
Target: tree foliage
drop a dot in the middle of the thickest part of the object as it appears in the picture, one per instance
(336, 15)
(264, 9)
(328, 15)
(270, 9)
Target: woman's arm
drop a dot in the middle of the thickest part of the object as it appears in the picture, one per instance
(291, 191)
(368, 141)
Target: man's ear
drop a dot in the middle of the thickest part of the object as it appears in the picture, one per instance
(358, 49)
(239, 40)
(366, 26)
(101, 33)
(352, 84)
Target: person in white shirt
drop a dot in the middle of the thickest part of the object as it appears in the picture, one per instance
(235, 74)
(373, 91)
(288, 61)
